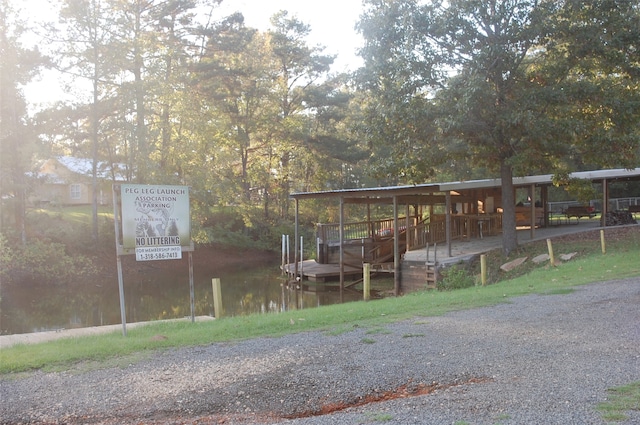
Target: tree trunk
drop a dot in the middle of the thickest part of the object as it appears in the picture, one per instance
(94, 149)
(509, 235)
(141, 131)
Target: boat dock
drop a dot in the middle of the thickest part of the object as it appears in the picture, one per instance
(316, 272)
(461, 250)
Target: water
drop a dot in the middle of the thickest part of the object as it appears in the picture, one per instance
(153, 293)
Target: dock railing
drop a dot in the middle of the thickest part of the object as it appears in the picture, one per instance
(372, 242)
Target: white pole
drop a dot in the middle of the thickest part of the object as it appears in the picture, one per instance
(288, 255)
(284, 259)
(301, 257)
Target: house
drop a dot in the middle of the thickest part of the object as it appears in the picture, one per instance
(67, 180)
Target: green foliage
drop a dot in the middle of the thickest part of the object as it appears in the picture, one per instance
(455, 277)
(46, 263)
(582, 190)
(71, 227)
(7, 257)
(18, 142)
(519, 87)
(58, 249)
(378, 417)
(242, 227)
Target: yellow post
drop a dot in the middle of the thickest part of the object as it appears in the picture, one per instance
(483, 269)
(552, 260)
(217, 298)
(366, 281)
(603, 244)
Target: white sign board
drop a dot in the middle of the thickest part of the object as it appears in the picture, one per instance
(155, 220)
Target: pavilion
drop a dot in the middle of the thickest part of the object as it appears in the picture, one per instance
(455, 210)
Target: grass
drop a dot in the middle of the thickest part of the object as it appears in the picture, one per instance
(584, 247)
(621, 399)
(79, 214)
(378, 417)
(621, 261)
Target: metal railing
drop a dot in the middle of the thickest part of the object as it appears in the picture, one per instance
(615, 204)
(373, 241)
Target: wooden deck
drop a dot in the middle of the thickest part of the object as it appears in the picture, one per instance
(462, 249)
(315, 272)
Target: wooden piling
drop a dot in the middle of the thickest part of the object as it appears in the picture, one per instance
(603, 244)
(366, 281)
(217, 298)
(483, 269)
(552, 260)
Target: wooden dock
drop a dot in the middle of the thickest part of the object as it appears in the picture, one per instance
(316, 272)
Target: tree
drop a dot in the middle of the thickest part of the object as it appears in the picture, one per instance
(519, 86)
(235, 78)
(397, 115)
(17, 139)
(263, 90)
(154, 39)
(299, 68)
(332, 152)
(84, 51)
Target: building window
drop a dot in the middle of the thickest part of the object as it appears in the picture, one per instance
(75, 191)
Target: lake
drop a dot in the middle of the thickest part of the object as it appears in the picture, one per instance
(155, 291)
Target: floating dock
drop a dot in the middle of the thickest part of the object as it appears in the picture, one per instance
(316, 272)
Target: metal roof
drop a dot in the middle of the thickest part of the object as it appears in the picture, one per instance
(431, 188)
(84, 167)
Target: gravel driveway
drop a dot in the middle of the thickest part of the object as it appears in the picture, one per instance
(540, 359)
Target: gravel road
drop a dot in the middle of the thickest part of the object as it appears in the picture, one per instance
(540, 359)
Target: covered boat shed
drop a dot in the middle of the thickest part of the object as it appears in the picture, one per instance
(470, 208)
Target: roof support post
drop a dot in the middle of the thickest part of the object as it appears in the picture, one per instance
(544, 199)
(341, 233)
(605, 202)
(407, 226)
(532, 188)
(372, 231)
(396, 249)
(448, 221)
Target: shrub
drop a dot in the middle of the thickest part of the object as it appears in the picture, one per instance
(44, 263)
(455, 277)
(6, 258)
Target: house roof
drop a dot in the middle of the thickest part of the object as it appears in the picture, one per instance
(433, 188)
(84, 167)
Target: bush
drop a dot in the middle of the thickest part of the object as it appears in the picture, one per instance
(7, 257)
(40, 262)
(455, 277)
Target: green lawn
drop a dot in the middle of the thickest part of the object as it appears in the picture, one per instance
(76, 213)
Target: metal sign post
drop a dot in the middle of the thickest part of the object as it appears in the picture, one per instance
(116, 223)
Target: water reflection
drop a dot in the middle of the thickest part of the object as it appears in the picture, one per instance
(153, 293)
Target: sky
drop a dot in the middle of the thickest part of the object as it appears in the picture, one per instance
(332, 25)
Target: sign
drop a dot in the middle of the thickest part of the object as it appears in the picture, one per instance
(155, 220)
